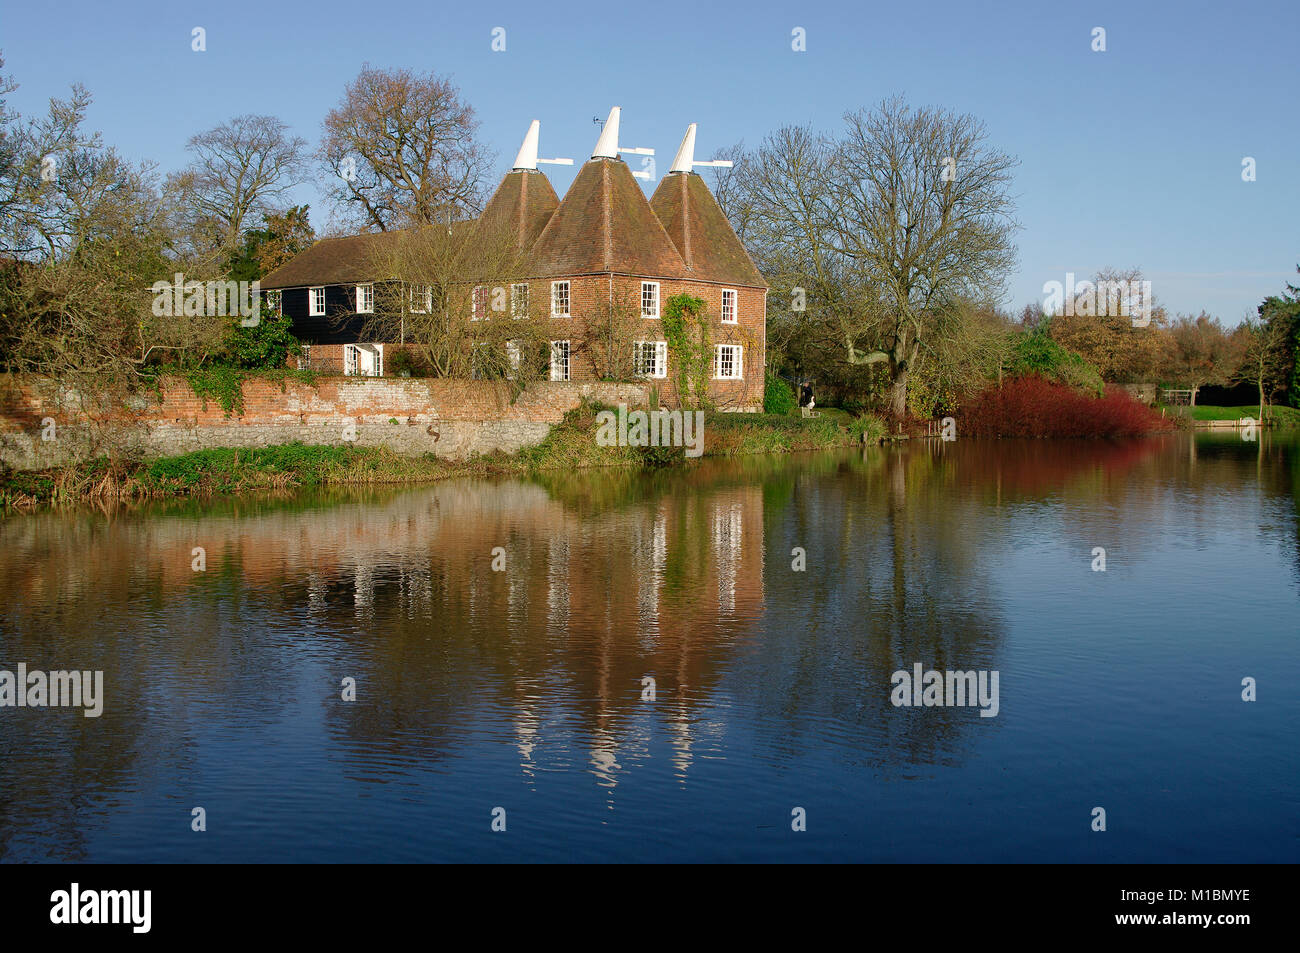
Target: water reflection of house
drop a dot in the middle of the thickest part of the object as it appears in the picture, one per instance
(590, 602)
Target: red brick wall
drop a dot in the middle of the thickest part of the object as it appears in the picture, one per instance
(266, 402)
(447, 417)
(589, 295)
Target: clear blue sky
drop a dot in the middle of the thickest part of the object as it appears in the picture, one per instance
(1131, 157)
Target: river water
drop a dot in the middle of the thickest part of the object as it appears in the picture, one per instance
(501, 636)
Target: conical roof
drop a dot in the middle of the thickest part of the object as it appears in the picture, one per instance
(699, 230)
(524, 203)
(605, 225)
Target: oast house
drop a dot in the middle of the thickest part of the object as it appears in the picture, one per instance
(603, 245)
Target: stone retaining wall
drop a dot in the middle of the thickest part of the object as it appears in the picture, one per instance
(42, 425)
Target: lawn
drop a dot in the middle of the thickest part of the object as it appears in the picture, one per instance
(1286, 417)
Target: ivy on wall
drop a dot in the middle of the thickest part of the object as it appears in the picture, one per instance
(690, 348)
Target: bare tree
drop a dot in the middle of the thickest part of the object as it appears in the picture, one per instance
(53, 177)
(611, 331)
(242, 170)
(730, 186)
(779, 197)
(9, 144)
(88, 233)
(401, 149)
(919, 204)
(451, 301)
(883, 242)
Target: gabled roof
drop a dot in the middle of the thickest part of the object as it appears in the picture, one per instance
(701, 233)
(523, 202)
(605, 225)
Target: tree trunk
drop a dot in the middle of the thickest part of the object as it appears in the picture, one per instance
(898, 392)
(1194, 390)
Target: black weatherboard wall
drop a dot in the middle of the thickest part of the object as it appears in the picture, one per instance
(339, 325)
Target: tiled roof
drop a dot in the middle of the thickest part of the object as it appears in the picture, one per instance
(701, 233)
(338, 261)
(524, 201)
(331, 261)
(604, 225)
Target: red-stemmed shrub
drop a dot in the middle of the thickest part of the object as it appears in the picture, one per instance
(1032, 406)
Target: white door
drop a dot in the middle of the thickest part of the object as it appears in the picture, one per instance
(365, 360)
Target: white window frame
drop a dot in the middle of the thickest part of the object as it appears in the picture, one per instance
(658, 360)
(366, 291)
(654, 287)
(514, 355)
(565, 372)
(558, 287)
(735, 306)
(352, 360)
(304, 357)
(481, 295)
(425, 298)
(737, 362)
(312, 310)
(519, 300)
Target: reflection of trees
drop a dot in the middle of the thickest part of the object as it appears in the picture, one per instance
(895, 576)
(1273, 460)
(1203, 483)
(902, 545)
(680, 574)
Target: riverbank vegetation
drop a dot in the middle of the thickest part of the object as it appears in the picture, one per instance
(1033, 406)
(570, 445)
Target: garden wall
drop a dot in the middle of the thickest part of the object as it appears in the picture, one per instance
(43, 425)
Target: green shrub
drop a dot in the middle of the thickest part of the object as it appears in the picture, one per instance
(778, 396)
(403, 363)
(1037, 353)
(266, 344)
(868, 428)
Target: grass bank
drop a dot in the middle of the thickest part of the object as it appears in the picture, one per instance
(1287, 418)
(570, 445)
